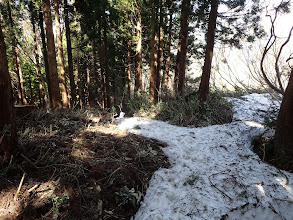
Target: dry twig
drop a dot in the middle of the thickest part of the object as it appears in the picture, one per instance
(19, 187)
(223, 193)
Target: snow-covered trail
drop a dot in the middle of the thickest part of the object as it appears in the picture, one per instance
(213, 173)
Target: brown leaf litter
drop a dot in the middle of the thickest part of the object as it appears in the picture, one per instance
(75, 165)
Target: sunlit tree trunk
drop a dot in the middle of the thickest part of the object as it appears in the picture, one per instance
(69, 54)
(88, 82)
(153, 56)
(128, 68)
(182, 50)
(45, 54)
(65, 101)
(283, 146)
(8, 132)
(54, 81)
(168, 52)
(210, 39)
(15, 57)
(138, 56)
(77, 56)
(160, 44)
(38, 68)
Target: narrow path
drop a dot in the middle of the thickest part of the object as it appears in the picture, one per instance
(214, 174)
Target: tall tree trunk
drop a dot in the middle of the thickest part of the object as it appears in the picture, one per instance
(31, 100)
(97, 78)
(77, 74)
(45, 54)
(205, 78)
(168, 52)
(102, 69)
(153, 57)
(138, 55)
(21, 81)
(69, 54)
(107, 72)
(160, 44)
(54, 81)
(88, 82)
(283, 146)
(65, 101)
(8, 135)
(77, 70)
(183, 41)
(38, 68)
(15, 57)
(128, 68)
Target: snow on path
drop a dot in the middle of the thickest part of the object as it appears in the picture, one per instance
(213, 173)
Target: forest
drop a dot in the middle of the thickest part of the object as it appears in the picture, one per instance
(71, 70)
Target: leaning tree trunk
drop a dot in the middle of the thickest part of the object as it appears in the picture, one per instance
(8, 133)
(183, 36)
(65, 101)
(69, 54)
(283, 146)
(56, 97)
(205, 78)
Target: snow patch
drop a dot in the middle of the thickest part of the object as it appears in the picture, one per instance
(213, 173)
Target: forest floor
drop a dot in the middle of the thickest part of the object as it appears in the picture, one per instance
(76, 165)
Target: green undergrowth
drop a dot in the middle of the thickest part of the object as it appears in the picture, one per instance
(183, 112)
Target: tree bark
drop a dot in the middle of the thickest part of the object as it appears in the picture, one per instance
(138, 56)
(128, 68)
(77, 74)
(97, 88)
(54, 81)
(15, 57)
(160, 45)
(8, 131)
(153, 57)
(65, 101)
(69, 54)
(107, 72)
(210, 39)
(38, 68)
(183, 41)
(102, 69)
(45, 54)
(168, 52)
(283, 146)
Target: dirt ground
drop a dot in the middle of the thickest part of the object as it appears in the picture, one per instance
(77, 165)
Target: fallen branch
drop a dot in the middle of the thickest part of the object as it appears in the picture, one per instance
(112, 174)
(29, 161)
(218, 188)
(19, 187)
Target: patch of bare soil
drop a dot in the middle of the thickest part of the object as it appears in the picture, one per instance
(72, 165)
